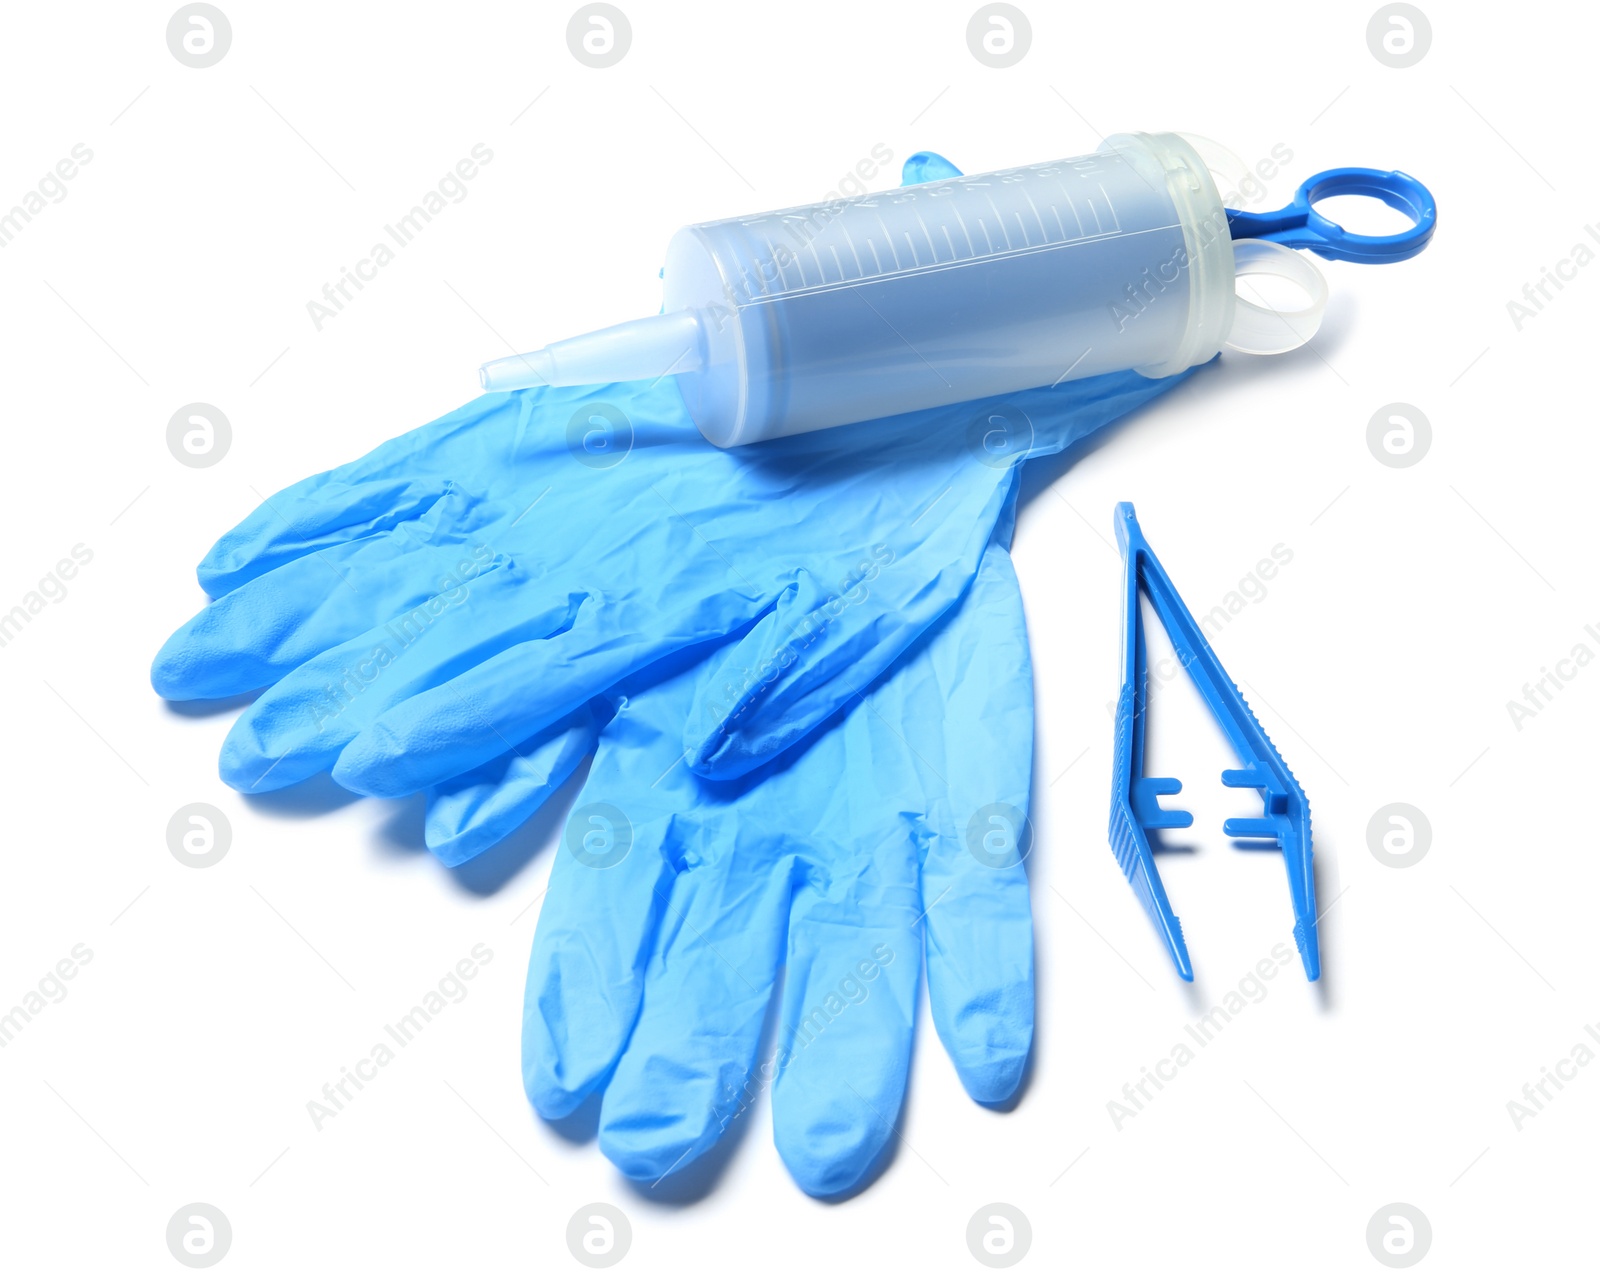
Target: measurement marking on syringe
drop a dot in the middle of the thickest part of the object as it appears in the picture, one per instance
(932, 250)
(781, 265)
(1086, 241)
(772, 255)
(1044, 234)
(971, 250)
(1072, 205)
(751, 285)
(1000, 220)
(861, 270)
(822, 272)
(888, 238)
(1116, 223)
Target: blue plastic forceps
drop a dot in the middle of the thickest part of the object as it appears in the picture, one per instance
(1135, 809)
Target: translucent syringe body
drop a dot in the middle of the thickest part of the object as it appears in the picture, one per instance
(929, 294)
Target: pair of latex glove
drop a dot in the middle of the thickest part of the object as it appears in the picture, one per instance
(802, 671)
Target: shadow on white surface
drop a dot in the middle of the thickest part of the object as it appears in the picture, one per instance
(403, 834)
(314, 797)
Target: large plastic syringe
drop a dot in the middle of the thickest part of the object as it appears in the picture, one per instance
(963, 288)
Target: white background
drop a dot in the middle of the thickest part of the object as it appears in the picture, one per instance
(1419, 600)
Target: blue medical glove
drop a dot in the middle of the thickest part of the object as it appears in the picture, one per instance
(471, 584)
(894, 830)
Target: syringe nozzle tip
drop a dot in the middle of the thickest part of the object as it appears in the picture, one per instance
(520, 371)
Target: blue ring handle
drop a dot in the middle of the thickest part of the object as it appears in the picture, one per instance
(1300, 225)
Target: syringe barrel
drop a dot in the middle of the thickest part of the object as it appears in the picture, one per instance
(953, 290)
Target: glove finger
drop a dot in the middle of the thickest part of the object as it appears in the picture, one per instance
(259, 632)
(393, 484)
(608, 891)
(298, 727)
(849, 1002)
(687, 1072)
(822, 646)
(979, 933)
(586, 973)
(427, 738)
(980, 953)
(314, 515)
(473, 812)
